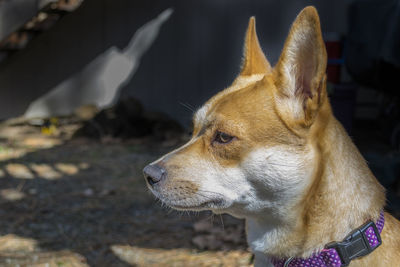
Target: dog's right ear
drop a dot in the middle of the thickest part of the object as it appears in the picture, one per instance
(301, 68)
(254, 61)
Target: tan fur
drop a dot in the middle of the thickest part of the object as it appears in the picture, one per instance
(286, 108)
(254, 59)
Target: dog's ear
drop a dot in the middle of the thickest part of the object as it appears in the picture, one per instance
(254, 61)
(300, 71)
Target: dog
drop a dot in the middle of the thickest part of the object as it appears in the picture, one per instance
(269, 149)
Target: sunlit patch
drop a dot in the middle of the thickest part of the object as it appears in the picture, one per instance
(67, 168)
(42, 170)
(19, 171)
(10, 153)
(21, 251)
(83, 165)
(10, 243)
(11, 194)
(41, 142)
(45, 171)
(138, 256)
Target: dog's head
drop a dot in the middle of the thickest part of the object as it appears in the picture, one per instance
(252, 149)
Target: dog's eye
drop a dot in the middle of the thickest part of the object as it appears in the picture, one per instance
(223, 138)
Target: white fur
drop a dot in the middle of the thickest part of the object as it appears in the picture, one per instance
(201, 114)
(283, 174)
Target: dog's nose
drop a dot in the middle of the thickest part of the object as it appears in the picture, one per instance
(154, 173)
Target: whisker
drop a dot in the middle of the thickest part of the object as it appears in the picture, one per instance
(222, 222)
(210, 217)
(188, 106)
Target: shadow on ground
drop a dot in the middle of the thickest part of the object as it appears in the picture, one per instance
(91, 199)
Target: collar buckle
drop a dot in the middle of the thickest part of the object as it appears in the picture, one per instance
(355, 244)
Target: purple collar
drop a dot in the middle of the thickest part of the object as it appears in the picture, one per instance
(358, 243)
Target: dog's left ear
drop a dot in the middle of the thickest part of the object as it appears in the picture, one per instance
(254, 61)
(300, 71)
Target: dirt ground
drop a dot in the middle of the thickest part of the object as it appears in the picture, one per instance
(78, 202)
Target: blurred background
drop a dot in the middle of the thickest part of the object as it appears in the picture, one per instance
(92, 90)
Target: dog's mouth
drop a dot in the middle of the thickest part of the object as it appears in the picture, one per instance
(193, 203)
(197, 202)
(215, 204)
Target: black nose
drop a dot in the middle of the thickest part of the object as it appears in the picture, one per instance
(154, 173)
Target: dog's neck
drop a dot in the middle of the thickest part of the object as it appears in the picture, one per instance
(344, 195)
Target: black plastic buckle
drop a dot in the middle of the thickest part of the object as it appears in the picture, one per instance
(355, 244)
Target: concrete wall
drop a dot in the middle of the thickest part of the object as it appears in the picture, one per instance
(197, 53)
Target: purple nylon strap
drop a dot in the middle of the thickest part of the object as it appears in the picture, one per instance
(330, 257)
